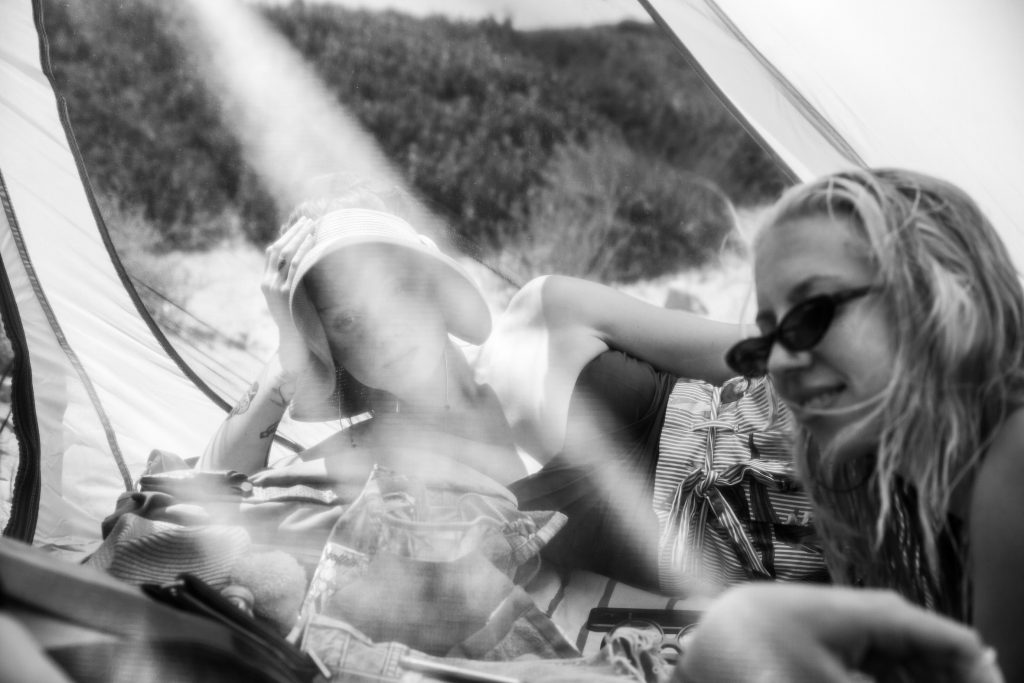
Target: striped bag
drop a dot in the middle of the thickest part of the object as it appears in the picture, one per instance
(728, 503)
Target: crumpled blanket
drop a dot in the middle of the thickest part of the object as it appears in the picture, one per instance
(200, 523)
(298, 518)
(140, 550)
(628, 655)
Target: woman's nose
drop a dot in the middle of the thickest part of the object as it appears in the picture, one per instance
(387, 328)
(782, 360)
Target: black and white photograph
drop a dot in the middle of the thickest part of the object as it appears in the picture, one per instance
(510, 341)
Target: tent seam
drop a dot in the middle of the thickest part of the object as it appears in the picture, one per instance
(28, 479)
(111, 436)
(719, 93)
(118, 266)
(826, 129)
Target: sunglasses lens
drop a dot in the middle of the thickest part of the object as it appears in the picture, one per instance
(800, 329)
(807, 323)
(750, 357)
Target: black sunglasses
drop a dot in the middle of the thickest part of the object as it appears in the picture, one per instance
(800, 329)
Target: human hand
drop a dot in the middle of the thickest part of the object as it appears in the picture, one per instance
(282, 259)
(310, 472)
(792, 633)
(346, 479)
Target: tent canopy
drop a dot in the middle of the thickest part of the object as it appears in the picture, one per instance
(934, 86)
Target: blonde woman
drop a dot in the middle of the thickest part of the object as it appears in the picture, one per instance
(892, 322)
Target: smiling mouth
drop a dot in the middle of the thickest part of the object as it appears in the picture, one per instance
(819, 400)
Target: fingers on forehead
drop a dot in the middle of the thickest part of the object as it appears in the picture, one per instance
(291, 237)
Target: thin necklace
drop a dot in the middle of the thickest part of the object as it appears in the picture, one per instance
(398, 406)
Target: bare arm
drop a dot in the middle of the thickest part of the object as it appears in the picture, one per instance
(555, 325)
(996, 527)
(243, 441)
(678, 342)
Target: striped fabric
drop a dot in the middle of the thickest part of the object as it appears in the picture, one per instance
(140, 550)
(728, 503)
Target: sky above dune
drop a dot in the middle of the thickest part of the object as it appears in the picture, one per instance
(524, 14)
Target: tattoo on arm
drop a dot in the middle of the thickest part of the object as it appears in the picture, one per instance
(270, 430)
(246, 401)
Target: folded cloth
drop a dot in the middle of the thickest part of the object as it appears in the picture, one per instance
(516, 628)
(351, 656)
(729, 503)
(140, 550)
(299, 516)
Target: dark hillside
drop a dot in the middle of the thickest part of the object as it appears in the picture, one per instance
(509, 134)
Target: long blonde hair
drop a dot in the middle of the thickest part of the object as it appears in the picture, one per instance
(957, 314)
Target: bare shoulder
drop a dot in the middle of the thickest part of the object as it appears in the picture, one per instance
(1000, 475)
(526, 305)
(1006, 454)
(996, 506)
(997, 545)
(532, 359)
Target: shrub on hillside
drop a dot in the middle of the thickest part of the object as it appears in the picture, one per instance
(148, 133)
(474, 114)
(139, 243)
(470, 119)
(607, 213)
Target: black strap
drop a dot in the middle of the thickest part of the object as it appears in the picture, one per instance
(103, 622)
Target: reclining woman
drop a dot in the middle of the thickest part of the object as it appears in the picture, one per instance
(364, 306)
(635, 417)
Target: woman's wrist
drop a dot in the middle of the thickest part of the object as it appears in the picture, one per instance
(284, 387)
(280, 381)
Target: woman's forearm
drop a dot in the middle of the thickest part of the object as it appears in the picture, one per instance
(243, 441)
(678, 342)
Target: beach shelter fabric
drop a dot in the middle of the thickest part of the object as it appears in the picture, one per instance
(937, 86)
(932, 85)
(95, 388)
